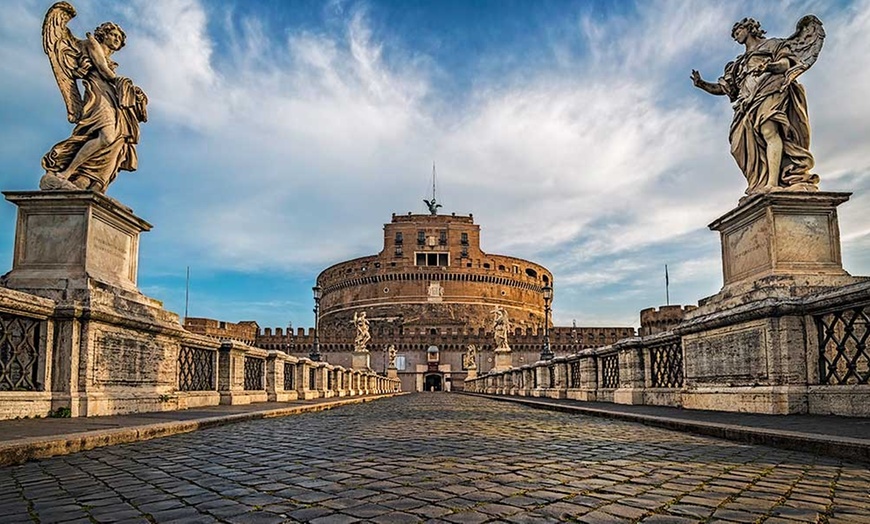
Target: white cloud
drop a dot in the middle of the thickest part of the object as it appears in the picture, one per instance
(287, 154)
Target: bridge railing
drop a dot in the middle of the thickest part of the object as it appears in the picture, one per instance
(805, 355)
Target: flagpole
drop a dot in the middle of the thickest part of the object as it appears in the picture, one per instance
(667, 287)
(187, 293)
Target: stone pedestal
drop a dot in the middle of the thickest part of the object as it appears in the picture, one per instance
(778, 245)
(393, 373)
(746, 348)
(472, 373)
(361, 360)
(503, 360)
(116, 350)
(68, 241)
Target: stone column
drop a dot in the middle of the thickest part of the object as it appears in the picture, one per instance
(231, 373)
(631, 373)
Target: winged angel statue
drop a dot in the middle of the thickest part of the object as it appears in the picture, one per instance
(770, 132)
(107, 117)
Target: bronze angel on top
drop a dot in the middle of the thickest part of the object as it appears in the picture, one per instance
(107, 117)
(770, 132)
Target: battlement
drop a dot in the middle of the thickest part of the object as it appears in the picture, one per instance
(656, 320)
(244, 331)
(584, 336)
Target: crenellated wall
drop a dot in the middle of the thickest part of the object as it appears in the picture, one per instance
(661, 319)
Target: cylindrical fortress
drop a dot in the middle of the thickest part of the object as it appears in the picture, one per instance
(431, 274)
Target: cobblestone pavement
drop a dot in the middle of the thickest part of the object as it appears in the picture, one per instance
(436, 458)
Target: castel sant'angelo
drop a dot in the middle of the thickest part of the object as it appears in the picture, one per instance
(430, 292)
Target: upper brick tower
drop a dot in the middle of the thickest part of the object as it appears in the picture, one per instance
(432, 273)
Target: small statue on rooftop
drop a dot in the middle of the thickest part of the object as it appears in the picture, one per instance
(770, 132)
(107, 117)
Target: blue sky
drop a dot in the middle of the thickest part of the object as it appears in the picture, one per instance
(282, 135)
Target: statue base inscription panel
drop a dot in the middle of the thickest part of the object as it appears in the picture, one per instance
(65, 240)
(778, 245)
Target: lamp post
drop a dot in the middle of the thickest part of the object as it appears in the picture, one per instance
(315, 349)
(546, 352)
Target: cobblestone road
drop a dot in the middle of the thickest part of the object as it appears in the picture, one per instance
(436, 458)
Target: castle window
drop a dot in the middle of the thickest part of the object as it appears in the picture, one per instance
(442, 238)
(501, 268)
(399, 251)
(464, 239)
(399, 238)
(432, 259)
(486, 265)
(531, 272)
(421, 237)
(464, 253)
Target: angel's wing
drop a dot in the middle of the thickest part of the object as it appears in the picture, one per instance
(64, 53)
(806, 44)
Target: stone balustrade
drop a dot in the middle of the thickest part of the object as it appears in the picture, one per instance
(814, 360)
(39, 374)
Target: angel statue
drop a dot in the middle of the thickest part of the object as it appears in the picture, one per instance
(107, 117)
(432, 205)
(391, 356)
(469, 359)
(770, 132)
(501, 326)
(362, 331)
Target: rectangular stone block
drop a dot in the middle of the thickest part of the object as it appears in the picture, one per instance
(781, 233)
(735, 355)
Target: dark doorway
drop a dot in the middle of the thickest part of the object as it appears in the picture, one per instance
(432, 383)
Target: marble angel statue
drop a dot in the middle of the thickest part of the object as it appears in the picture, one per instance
(106, 117)
(363, 335)
(770, 131)
(501, 327)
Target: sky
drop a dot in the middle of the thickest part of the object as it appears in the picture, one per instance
(283, 134)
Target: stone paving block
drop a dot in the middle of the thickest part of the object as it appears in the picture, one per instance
(431, 512)
(230, 510)
(600, 517)
(621, 510)
(396, 518)
(256, 517)
(336, 518)
(436, 473)
(467, 517)
(182, 513)
(668, 519)
(689, 510)
(367, 510)
(309, 514)
(734, 515)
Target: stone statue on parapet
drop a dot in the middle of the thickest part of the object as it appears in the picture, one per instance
(391, 356)
(501, 327)
(362, 331)
(770, 131)
(469, 360)
(106, 118)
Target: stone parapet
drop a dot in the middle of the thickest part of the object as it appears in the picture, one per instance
(795, 355)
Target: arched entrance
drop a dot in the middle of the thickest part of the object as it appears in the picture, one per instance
(433, 382)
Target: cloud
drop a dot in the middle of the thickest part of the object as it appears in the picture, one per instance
(283, 151)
